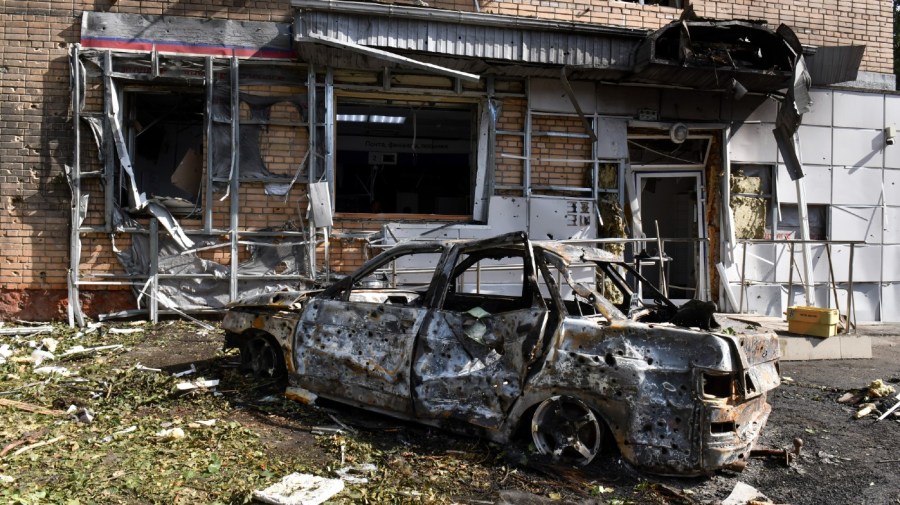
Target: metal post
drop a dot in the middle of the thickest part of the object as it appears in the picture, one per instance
(73, 309)
(329, 160)
(851, 309)
(109, 152)
(526, 163)
(208, 196)
(312, 167)
(837, 302)
(791, 274)
(743, 277)
(154, 270)
(234, 184)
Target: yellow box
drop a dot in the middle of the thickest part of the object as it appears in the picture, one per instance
(813, 321)
(813, 315)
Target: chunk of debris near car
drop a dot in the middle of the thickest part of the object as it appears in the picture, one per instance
(300, 489)
(505, 334)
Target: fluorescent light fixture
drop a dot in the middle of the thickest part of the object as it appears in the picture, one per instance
(387, 119)
(353, 118)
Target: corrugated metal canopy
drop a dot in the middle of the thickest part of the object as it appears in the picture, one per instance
(494, 39)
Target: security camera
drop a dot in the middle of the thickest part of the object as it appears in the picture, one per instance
(890, 135)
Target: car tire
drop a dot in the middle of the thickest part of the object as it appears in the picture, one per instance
(566, 429)
(261, 356)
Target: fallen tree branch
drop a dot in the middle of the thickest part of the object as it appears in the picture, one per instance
(37, 409)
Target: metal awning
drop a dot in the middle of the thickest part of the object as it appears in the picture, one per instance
(709, 54)
(470, 41)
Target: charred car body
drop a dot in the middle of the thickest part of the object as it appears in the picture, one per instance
(504, 334)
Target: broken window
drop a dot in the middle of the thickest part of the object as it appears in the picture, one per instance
(165, 139)
(789, 222)
(404, 159)
(751, 200)
(661, 151)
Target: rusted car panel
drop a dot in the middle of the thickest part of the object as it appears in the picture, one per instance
(539, 345)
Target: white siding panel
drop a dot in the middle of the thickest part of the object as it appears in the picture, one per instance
(821, 111)
(815, 145)
(548, 95)
(866, 301)
(892, 187)
(856, 148)
(819, 263)
(612, 141)
(816, 184)
(855, 223)
(859, 110)
(626, 100)
(507, 214)
(890, 298)
(891, 110)
(857, 186)
(891, 226)
(892, 263)
(866, 263)
(753, 143)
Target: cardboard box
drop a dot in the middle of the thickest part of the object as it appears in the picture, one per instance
(813, 321)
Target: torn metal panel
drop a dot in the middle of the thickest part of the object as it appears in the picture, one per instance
(385, 55)
(185, 35)
(703, 54)
(320, 205)
(678, 400)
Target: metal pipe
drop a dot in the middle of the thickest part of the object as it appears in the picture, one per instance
(75, 176)
(234, 184)
(790, 274)
(831, 280)
(743, 278)
(851, 309)
(208, 198)
(109, 157)
(154, 270)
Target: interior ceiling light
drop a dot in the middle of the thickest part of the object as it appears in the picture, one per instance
(678, 133)
(353, 118)
(387, 119)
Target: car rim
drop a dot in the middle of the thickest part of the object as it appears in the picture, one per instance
(263, 358)
(567, 430)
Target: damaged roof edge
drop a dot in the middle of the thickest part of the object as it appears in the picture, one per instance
(448, 16)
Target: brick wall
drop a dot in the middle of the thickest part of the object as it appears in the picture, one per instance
(816, 22)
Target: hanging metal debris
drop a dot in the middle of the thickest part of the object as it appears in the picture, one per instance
(505, 332)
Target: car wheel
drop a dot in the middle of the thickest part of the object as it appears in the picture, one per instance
(262, 357)
(567, 430)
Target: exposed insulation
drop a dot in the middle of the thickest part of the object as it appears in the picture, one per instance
(749, 217)
(746, 185)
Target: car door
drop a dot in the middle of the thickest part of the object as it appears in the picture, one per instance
(354, 343)
(474, 350)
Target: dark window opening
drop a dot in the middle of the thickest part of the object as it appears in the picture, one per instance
(165, 139)
(722, 428)
(789, 222)
(404, 159)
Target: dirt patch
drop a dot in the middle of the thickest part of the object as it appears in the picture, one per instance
(259, 436)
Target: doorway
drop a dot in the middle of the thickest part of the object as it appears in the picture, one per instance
(671, 201)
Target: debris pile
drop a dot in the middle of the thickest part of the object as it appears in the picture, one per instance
(879, 398)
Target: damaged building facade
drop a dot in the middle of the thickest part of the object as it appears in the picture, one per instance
(168, 157)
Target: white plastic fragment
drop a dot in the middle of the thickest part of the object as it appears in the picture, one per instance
(26, 330)
(79, 349)
(6, 479)
(189, 371)
(117, 434)
(50, 343)
(300, 489)
(53, 370)
(39, 356)
(354, 474)
(143, 368)
(199, 383)
(126, 331)
(5, 352)
(170, 434)
(742, 494)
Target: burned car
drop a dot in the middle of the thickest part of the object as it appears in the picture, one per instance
(503, 335)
